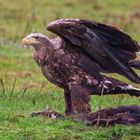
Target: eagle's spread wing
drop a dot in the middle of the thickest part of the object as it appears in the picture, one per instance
(109, 47)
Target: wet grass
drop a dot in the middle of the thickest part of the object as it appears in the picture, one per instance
(23, 88)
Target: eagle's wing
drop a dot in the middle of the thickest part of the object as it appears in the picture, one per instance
(108, 46)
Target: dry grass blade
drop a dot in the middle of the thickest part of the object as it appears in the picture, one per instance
(3, 86)
(100, 105)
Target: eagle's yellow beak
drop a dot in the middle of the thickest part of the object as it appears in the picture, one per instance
(29, 41)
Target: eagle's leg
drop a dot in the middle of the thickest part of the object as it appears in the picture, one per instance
(80, 99)
(67, 98)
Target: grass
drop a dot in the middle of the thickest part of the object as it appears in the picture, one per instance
(23, 89)
(16, 122)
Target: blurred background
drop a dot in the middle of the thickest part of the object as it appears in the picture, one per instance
(23, 88)
(18, 18)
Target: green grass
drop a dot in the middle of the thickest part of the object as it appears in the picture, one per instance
(26, 90)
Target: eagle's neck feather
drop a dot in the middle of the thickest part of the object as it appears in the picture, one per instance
(43, 55)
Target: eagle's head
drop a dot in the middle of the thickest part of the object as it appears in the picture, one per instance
(37, 40)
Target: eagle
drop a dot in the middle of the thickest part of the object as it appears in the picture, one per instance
(77, 60)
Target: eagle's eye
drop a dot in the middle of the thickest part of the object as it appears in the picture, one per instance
(36, 37)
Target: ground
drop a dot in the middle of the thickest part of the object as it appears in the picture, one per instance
(23, 89)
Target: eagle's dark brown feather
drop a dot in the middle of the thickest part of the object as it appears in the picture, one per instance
(109, 47)
(115, 37)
